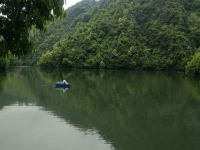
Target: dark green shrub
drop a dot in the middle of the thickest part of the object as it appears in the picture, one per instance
(193, 66)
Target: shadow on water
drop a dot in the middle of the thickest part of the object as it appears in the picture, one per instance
(130, 110)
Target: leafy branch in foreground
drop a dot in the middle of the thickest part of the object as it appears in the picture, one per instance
(16, 19)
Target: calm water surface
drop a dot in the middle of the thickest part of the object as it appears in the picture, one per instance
(104, 110)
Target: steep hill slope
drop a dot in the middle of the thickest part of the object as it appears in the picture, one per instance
(56, 30)
(150, 34)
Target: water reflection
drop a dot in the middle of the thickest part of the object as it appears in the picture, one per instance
(31, 128)
(129, 110)
(64, 90)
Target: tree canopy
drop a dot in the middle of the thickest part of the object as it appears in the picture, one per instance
(16, 19)
(149, 34)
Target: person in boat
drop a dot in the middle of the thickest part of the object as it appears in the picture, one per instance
(65, 82)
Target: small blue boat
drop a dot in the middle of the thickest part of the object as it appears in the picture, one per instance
(62, 84)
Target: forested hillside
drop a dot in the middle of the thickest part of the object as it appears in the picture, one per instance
(149, 34)
(56, 31)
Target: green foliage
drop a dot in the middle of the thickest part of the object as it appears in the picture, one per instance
(56, 30)
(193, 66)
(4, 61)
(149, 34)
(16, 19)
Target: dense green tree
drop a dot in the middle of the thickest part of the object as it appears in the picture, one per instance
(149, 34)
(56, 31)
(16, 19)
(193, 66)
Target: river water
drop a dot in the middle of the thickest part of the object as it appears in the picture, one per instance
(103, 110)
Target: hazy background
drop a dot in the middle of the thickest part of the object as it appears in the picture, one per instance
(70, 3)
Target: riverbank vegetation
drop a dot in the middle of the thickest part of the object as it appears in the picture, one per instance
(130, 34)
